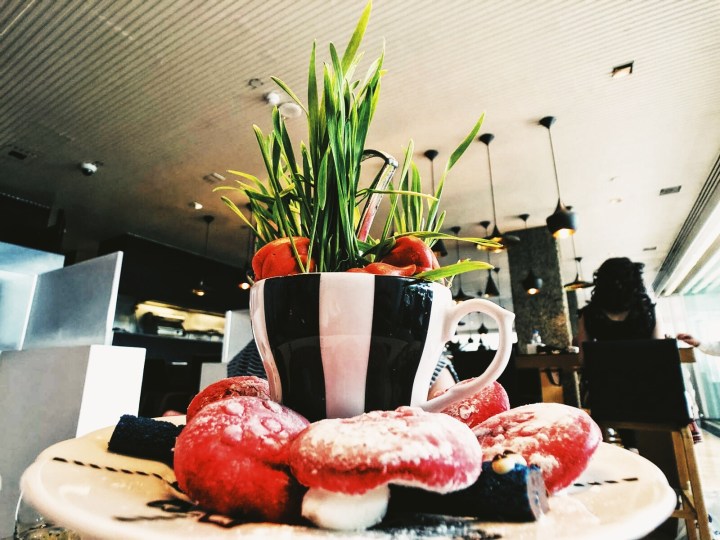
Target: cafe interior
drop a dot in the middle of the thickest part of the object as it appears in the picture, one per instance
(120, 120)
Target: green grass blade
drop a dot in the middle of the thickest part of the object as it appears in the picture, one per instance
(451, 270)
(357, 37)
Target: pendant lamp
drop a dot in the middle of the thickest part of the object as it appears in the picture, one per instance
(563, 222)
(439, 246)
(485, 224)
(491, 289)
(496, 236)
(483, 329)
(532, 283)
(459, 296)
(201, 288)
(578, 282)
(497, 281)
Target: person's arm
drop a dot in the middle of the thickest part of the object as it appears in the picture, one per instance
(687, 338)
(444, 381)
(710, 347)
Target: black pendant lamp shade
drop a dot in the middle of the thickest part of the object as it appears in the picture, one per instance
(532, 283)
(496, 236)
(578, 282)
(439, 246)
(483, 329)
(460, 295)
(563, 222)
(491, 289)
(201, 287)
(497, 281)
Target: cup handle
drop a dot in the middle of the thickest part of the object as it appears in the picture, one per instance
(465, 389)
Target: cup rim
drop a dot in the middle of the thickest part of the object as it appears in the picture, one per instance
(357, 275)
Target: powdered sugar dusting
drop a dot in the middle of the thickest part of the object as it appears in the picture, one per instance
(558, 438)
(466, 411)
(487, 402)
(431, 450)
(376, 434)
(532, 426)
(245, 419)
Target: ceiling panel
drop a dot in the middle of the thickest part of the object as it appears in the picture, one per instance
(165, 92)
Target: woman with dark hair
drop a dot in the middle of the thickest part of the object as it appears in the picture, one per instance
(620, 307)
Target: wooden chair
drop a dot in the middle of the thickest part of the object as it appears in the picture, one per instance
(639, 385)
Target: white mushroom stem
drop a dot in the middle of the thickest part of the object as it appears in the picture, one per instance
(345, 512)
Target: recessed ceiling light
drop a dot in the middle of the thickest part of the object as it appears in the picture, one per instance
(195, 205)
(213, 178)
(670, 190)
(272, 98)
(622, 71)
(290, 110)
(616, 200)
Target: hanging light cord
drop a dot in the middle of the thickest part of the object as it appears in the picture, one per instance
(432, 176)
(208, 219)
(552, 153)
(492, 188)
(251, 236)
(457, 252)
(577, 262)
(207, 237)
(456, 230)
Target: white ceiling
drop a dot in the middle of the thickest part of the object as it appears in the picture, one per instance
(161, 93)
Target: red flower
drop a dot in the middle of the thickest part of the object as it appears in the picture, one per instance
(411, 250)
(383, 269)
(276, 258)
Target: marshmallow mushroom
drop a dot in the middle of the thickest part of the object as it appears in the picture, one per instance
(558, 438)
(348, 462)
(232, 458)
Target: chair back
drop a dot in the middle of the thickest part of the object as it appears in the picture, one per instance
(635, 381)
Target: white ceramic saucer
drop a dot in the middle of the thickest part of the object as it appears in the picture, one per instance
(80, 485)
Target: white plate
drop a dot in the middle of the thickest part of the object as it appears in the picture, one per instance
(80, 485)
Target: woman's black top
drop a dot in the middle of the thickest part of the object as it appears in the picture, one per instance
(637, 325)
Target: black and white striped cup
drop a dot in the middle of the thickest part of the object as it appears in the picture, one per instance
(339, 344)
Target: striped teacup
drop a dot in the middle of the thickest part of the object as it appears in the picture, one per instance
(339, 344)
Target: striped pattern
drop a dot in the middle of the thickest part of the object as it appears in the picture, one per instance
(340, 344)
(328, 352)
(249, 362)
